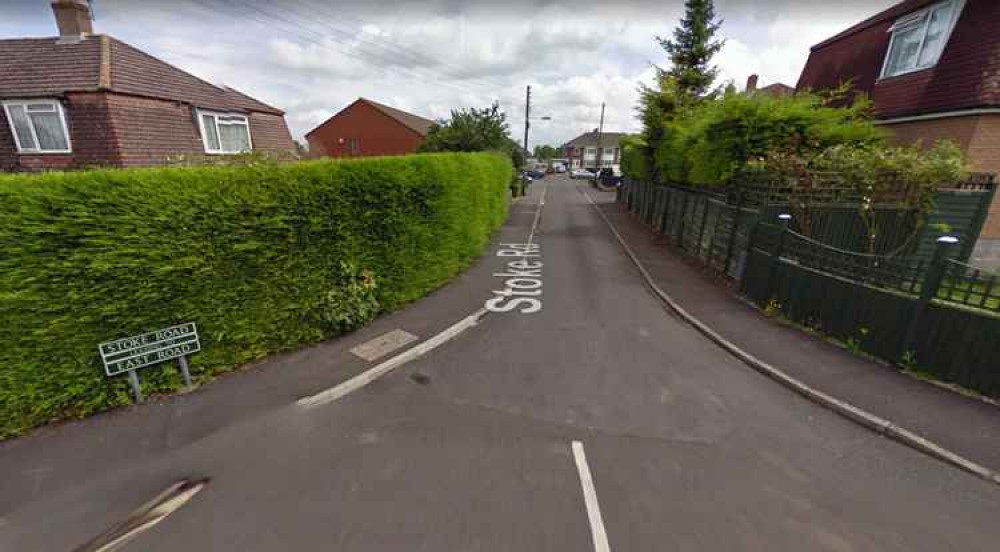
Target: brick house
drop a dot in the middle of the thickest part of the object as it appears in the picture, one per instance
(778, 89)
(83, 100)
(366, 128)
(932, 69)
(593, 150)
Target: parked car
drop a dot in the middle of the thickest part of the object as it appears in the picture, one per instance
(609, 178)
(581, 173)
(560, 168)
(535, 173)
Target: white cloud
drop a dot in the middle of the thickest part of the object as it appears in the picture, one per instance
(312, 57)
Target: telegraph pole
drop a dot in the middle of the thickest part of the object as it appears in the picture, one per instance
(600, 144)
(527, 119)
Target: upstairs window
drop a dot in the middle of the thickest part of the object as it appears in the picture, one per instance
(919, 38)
(224, 132)
(39, 126)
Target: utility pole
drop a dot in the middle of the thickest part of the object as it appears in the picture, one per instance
(527, 119)
(600, 144)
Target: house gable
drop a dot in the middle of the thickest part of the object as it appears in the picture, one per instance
(366, 128)
(966, 76)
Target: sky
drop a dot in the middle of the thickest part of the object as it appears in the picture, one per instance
(312, 58)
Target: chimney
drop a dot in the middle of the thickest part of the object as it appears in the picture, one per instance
(751, 83)
(73, 18)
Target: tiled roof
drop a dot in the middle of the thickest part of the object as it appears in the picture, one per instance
(892, 13)
(778, 89)
(39, 66)
(967, 75)
(33, 67)
(416, 123)
(590, 139)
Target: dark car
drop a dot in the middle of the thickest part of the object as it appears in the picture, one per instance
(608, 178)
(535, 173)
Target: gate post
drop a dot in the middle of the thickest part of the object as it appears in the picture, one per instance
(945, 250)
(785, 218)
(732, 232)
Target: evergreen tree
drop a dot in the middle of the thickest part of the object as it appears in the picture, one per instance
(691, 49)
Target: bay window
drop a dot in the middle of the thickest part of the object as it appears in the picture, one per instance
(919, 38)
(38, 126)
(224, 132)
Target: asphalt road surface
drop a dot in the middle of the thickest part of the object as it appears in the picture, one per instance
(597, 422)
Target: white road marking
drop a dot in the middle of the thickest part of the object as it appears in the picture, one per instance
(538, 212)
(145, 517)
(364, 378)
(597, 531)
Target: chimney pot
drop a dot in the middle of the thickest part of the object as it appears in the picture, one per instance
(73, 18)
(751, 83)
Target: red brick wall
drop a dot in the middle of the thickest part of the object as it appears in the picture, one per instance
(8, 149)
(94, 139)
(151, 130)
(977, 135)
(376, 134)
(270, 133)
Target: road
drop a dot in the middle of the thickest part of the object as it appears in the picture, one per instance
(598, 422)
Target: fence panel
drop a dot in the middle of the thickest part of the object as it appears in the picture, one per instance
(874, 303)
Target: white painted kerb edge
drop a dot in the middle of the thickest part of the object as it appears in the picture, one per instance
(847, 410)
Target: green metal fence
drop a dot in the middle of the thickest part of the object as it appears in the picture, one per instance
(920, 306)
(938, 316)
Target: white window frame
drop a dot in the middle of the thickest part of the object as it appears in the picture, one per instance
(909, 20)
(34, 134)
(200, 113)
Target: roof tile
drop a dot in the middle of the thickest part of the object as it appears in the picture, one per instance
(33, 67)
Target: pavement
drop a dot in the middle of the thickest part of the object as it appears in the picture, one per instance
(962, 424)
(598, 422)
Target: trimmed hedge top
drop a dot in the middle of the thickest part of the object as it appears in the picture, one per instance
(263, 258)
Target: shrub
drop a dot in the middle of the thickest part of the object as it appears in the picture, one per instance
(263, 257)
(907, 177)
(710, 142)
(635, 159)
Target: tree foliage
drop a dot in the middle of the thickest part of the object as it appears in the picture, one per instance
(905, 178)
(545, 152)
(709, 143)
(473, 130)
(692, 48)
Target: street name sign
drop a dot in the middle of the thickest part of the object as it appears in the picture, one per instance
(131, 353)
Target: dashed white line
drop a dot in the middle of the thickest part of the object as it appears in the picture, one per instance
(538, 212)
(597, 531)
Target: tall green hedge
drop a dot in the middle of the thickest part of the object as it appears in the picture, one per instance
(263, 258)
(710, 142)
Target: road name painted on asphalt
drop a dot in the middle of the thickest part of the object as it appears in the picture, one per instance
(523, 280)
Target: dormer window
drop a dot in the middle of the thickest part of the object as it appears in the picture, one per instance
(224, 132)
(919, 38)
(39, 126)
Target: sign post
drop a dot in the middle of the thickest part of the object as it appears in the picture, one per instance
(131, 353)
